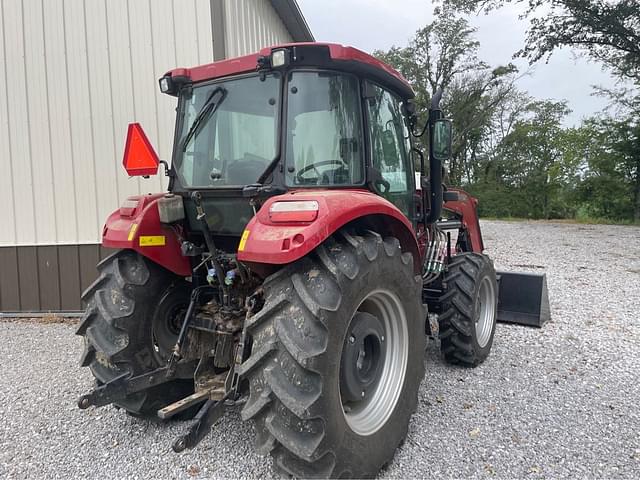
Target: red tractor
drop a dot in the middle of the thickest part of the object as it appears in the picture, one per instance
(293, 263)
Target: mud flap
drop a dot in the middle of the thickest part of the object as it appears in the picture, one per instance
(523, 298)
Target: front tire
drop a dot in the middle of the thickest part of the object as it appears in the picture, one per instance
(325, 404)
(130, 324)
(467, 310)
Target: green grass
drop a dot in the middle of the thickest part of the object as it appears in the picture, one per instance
(581, 220)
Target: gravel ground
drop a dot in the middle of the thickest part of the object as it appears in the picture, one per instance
(556, 402)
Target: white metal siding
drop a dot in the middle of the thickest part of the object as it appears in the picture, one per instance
(251, 25)
(73, 74)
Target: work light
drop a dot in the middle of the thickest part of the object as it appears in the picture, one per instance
(279, 58)
(165, 84)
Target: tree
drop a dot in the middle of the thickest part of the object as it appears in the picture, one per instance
(529, 161)
(437, 54)
(512, 151)
(610, 186)
(443, 54)
(472, 102)
(607, 30)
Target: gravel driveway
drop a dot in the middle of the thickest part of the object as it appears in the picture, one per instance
(558, 402)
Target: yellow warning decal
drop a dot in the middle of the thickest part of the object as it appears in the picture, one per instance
(243, 240)
(132, 231)
(152, 241)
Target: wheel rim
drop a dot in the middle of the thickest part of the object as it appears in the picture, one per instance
(166, 323)
(485, 312)
(384, 371)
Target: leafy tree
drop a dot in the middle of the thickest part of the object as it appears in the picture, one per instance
(512, 151)
(472, 102)
(527, 173)
(610, 186)
(607, 30)
(444, 55)
(437, 54)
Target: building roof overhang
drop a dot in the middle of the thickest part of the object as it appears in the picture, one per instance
(291, 15)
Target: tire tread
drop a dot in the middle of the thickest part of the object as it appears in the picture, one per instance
(284, 388)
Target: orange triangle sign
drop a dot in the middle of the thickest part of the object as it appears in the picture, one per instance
(139, 156)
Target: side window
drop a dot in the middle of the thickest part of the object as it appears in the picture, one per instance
(324, 130)
(389, 152)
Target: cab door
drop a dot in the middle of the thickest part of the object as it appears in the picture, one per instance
(389, 147)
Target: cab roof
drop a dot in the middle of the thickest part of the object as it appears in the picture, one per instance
(323, 55)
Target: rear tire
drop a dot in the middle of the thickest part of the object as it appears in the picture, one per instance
(130, 324)
(304, 414)
(467, 309)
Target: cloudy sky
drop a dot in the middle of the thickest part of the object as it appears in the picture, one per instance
(379, 24)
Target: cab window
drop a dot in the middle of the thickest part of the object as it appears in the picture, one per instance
(324, 130)
(389, 146)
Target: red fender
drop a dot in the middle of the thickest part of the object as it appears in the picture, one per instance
(466, 207)
(136, 226)
(266, 242)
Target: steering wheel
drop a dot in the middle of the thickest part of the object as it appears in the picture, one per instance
(312, 166)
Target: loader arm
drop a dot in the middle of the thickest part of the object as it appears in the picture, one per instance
(523, 298)
(466, 208)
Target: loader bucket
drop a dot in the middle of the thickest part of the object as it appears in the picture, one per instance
(523, 298)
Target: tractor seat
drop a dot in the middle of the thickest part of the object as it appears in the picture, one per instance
(245, 171)
(336, 176)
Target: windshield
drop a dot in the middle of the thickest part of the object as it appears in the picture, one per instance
(324, 129)
(237, 138)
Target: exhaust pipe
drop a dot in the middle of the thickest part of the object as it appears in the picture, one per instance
(435, 165)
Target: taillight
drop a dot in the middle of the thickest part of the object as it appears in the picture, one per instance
(298, 211)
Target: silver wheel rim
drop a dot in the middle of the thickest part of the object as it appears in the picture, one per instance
(485, 312)
(368, 416)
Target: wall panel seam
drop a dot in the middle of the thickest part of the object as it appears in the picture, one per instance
(18, 283)
(28, 114)
(218, 29)
(175, 37)
(133, 83)
(153, 67)
(90, 104)
(46, 86)
(113, 120)
(59, 278)
(6, 89)
(37, 282)
(195, 9)
(71, 153)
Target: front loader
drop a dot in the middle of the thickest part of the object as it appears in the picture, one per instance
(293, 263)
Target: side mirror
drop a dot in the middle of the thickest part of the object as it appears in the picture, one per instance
(140, 158)
(442, 133)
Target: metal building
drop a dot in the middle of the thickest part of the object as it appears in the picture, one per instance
(73, 74)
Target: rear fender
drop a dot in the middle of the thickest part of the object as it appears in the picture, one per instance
(136, 226)
(267, 243)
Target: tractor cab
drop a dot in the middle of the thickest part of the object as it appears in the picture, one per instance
(296, 117)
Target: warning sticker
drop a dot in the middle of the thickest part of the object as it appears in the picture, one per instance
(152, 241)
